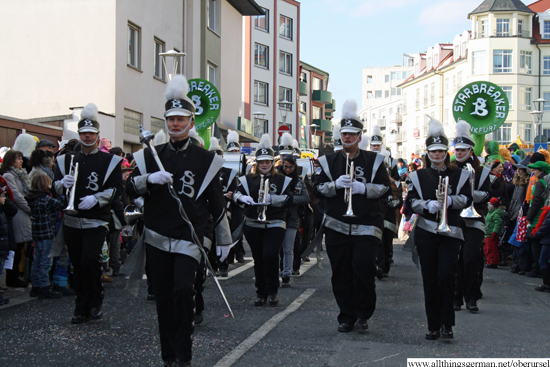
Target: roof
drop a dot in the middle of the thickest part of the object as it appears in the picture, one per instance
(501, 5)
(540, 6)
(247, 7)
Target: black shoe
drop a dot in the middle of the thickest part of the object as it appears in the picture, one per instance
(532, 274)
(432, 335)
(522, 272)
(169, 363)
(345, 327)
(46, 292)
(295, 272)
(379, 273)
(64, 290)
(385, 275)
(224, 272)
(35, 292)
(447, 332)
(4, 301)
(260, 301)
(198, 318)
(491, 266)
(151, 297)
(273, 299)
(79, 319)
(241, 260)
(286, 282)
(96, 313)
(117, 273)
(472, 306)
(457, 307)
(543, 288)
(362, 324)
(514, 270)
(183, 364)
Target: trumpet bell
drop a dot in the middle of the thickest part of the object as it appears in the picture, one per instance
(70, 210)
(443, 228)
(132, 214)
(469, 212)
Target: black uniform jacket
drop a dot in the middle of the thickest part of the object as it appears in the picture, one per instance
(370, 208)
(482, 195)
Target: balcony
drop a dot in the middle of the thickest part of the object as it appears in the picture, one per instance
(322, 96)
(331, 107)
(401, 137)
(328, 115)
(303, 88)
(325, 125)
(396, 118)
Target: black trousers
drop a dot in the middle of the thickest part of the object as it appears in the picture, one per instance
(173, 276)
(353, 262)
(265, 245)
(85, 252)
(438, 260)
(385, 251)
(468, 286)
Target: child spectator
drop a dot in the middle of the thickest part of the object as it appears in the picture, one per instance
(43, 207)
(493, 230)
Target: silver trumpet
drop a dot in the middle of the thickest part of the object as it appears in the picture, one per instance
(70, 209)
(347, 193)
(442, 194)
(262, 200)
(132, 214)
(470, 212)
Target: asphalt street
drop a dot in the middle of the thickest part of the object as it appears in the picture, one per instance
(300, 331)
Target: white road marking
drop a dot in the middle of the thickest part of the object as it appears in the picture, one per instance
(239, 270)
(262, 331)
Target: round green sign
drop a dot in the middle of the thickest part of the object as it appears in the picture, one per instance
(483, 105)
(207, 102)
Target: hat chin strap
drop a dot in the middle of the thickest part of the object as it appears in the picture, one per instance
(439, 160)
(465, 158)
(180, 132)
(264, 171)
(92, 144)
(350, 144)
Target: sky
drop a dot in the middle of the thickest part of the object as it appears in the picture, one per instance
(342, 37)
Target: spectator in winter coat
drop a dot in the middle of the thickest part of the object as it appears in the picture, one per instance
(7, 240)
(543, 235)
(539, 196)
(520, 183)
(493, 229)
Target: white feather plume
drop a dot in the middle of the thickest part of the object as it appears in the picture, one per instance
(349, 109)
(286, 139)
(232, 136)
(25, 143)
(3, 151)
(265, 142)
(214, 144)
(336, 132)
(177, 88)
(463, 128)
(160, 138)
(364, 143)
(295, 144)
(376, 130)
(435, 127)
(89, 111)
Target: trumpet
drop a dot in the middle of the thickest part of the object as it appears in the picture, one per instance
(262, 201)
(347, 193)
(132, 214)
(70, 209)
(441, 195)
(470, 212)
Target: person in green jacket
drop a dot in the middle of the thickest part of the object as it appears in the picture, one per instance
(494, 222)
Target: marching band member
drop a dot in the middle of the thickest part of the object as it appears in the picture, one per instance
(468, 287)
(173, 256)
(438, 251)
(265, 237)
(99, 183)
(352, 241)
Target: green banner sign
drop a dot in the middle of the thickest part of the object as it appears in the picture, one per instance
(207, 102)
(483, 105)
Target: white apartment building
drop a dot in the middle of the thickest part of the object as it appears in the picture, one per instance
(271, 71)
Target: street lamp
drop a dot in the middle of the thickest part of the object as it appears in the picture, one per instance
(284, 107)
(259, 115)
(315, 127)
(178, 60)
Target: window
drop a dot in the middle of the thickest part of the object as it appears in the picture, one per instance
(395, 75)
(261, 56)
(285, 27)
(405, 103)
(132, 120)
(260, 127)
(159, 70)
(432, 93)
(425, 96)
(485, 28)
(317, 112)
(459, 80)
(503, 27)
(546, 29)
(285, 63)
(504, 134)
(262, 21)
(303, 107)
(502, 61)
(436, 60)
(446, 86)
(446, 116)
(546, 67)
(386, 78)
(260, 92)
(369, 94)
(525, 98)
(395, 91)
(454, 83)
(525, 62)
(546, 96)
(134, 41)
(285, 94)
(317, 84)
(156, 125)
(213, 74)
(520, 28)
(479, 62)
(426, 125)
(303, 77)
(417, 98)
(369, 79)
(386, 94)
(212, 9)
(377, 94)
(525, 131)
(508, 92)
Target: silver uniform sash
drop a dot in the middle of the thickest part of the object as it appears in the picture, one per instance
(431, 226)
(389, 225)
(171, 245)
(352, 229)
(477, 224)
(275, 223)
(324, 165)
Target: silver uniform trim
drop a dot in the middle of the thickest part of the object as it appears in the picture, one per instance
(213, 170)
(104, 197)
(477, 224)
(464, 177)
(377, 162)
(61, 164)
(115, 160)
(243, 181)
(418, 205)
(223, 232)
(140, 184)
(375, 191)
(207, 243)
(459, 201)
(484, 174)
(416, 183)
(172, 245)
(324, 165)
(140, 161)
(272, 223)
(231, 177)
(278, 201)
(84, 223)
(58, 185)
(492, 179)
(287, 182)
(352, 229)
(327, 189)
(480, 196)
(389, 225)
(431, 227)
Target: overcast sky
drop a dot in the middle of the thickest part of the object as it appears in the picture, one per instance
(342, 37)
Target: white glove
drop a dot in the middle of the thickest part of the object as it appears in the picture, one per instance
(68, 181)
(433, 206)
(357, 188)
(222, 252)
(268, 199)
(449, 201)
(246, 199)
(343, 182)
(87, 202)
(160, 178)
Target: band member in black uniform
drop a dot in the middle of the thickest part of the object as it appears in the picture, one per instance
(352, 241)
(173, 256)
(99, 183)
(468, 287)
(265, 237)
(438, 250)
